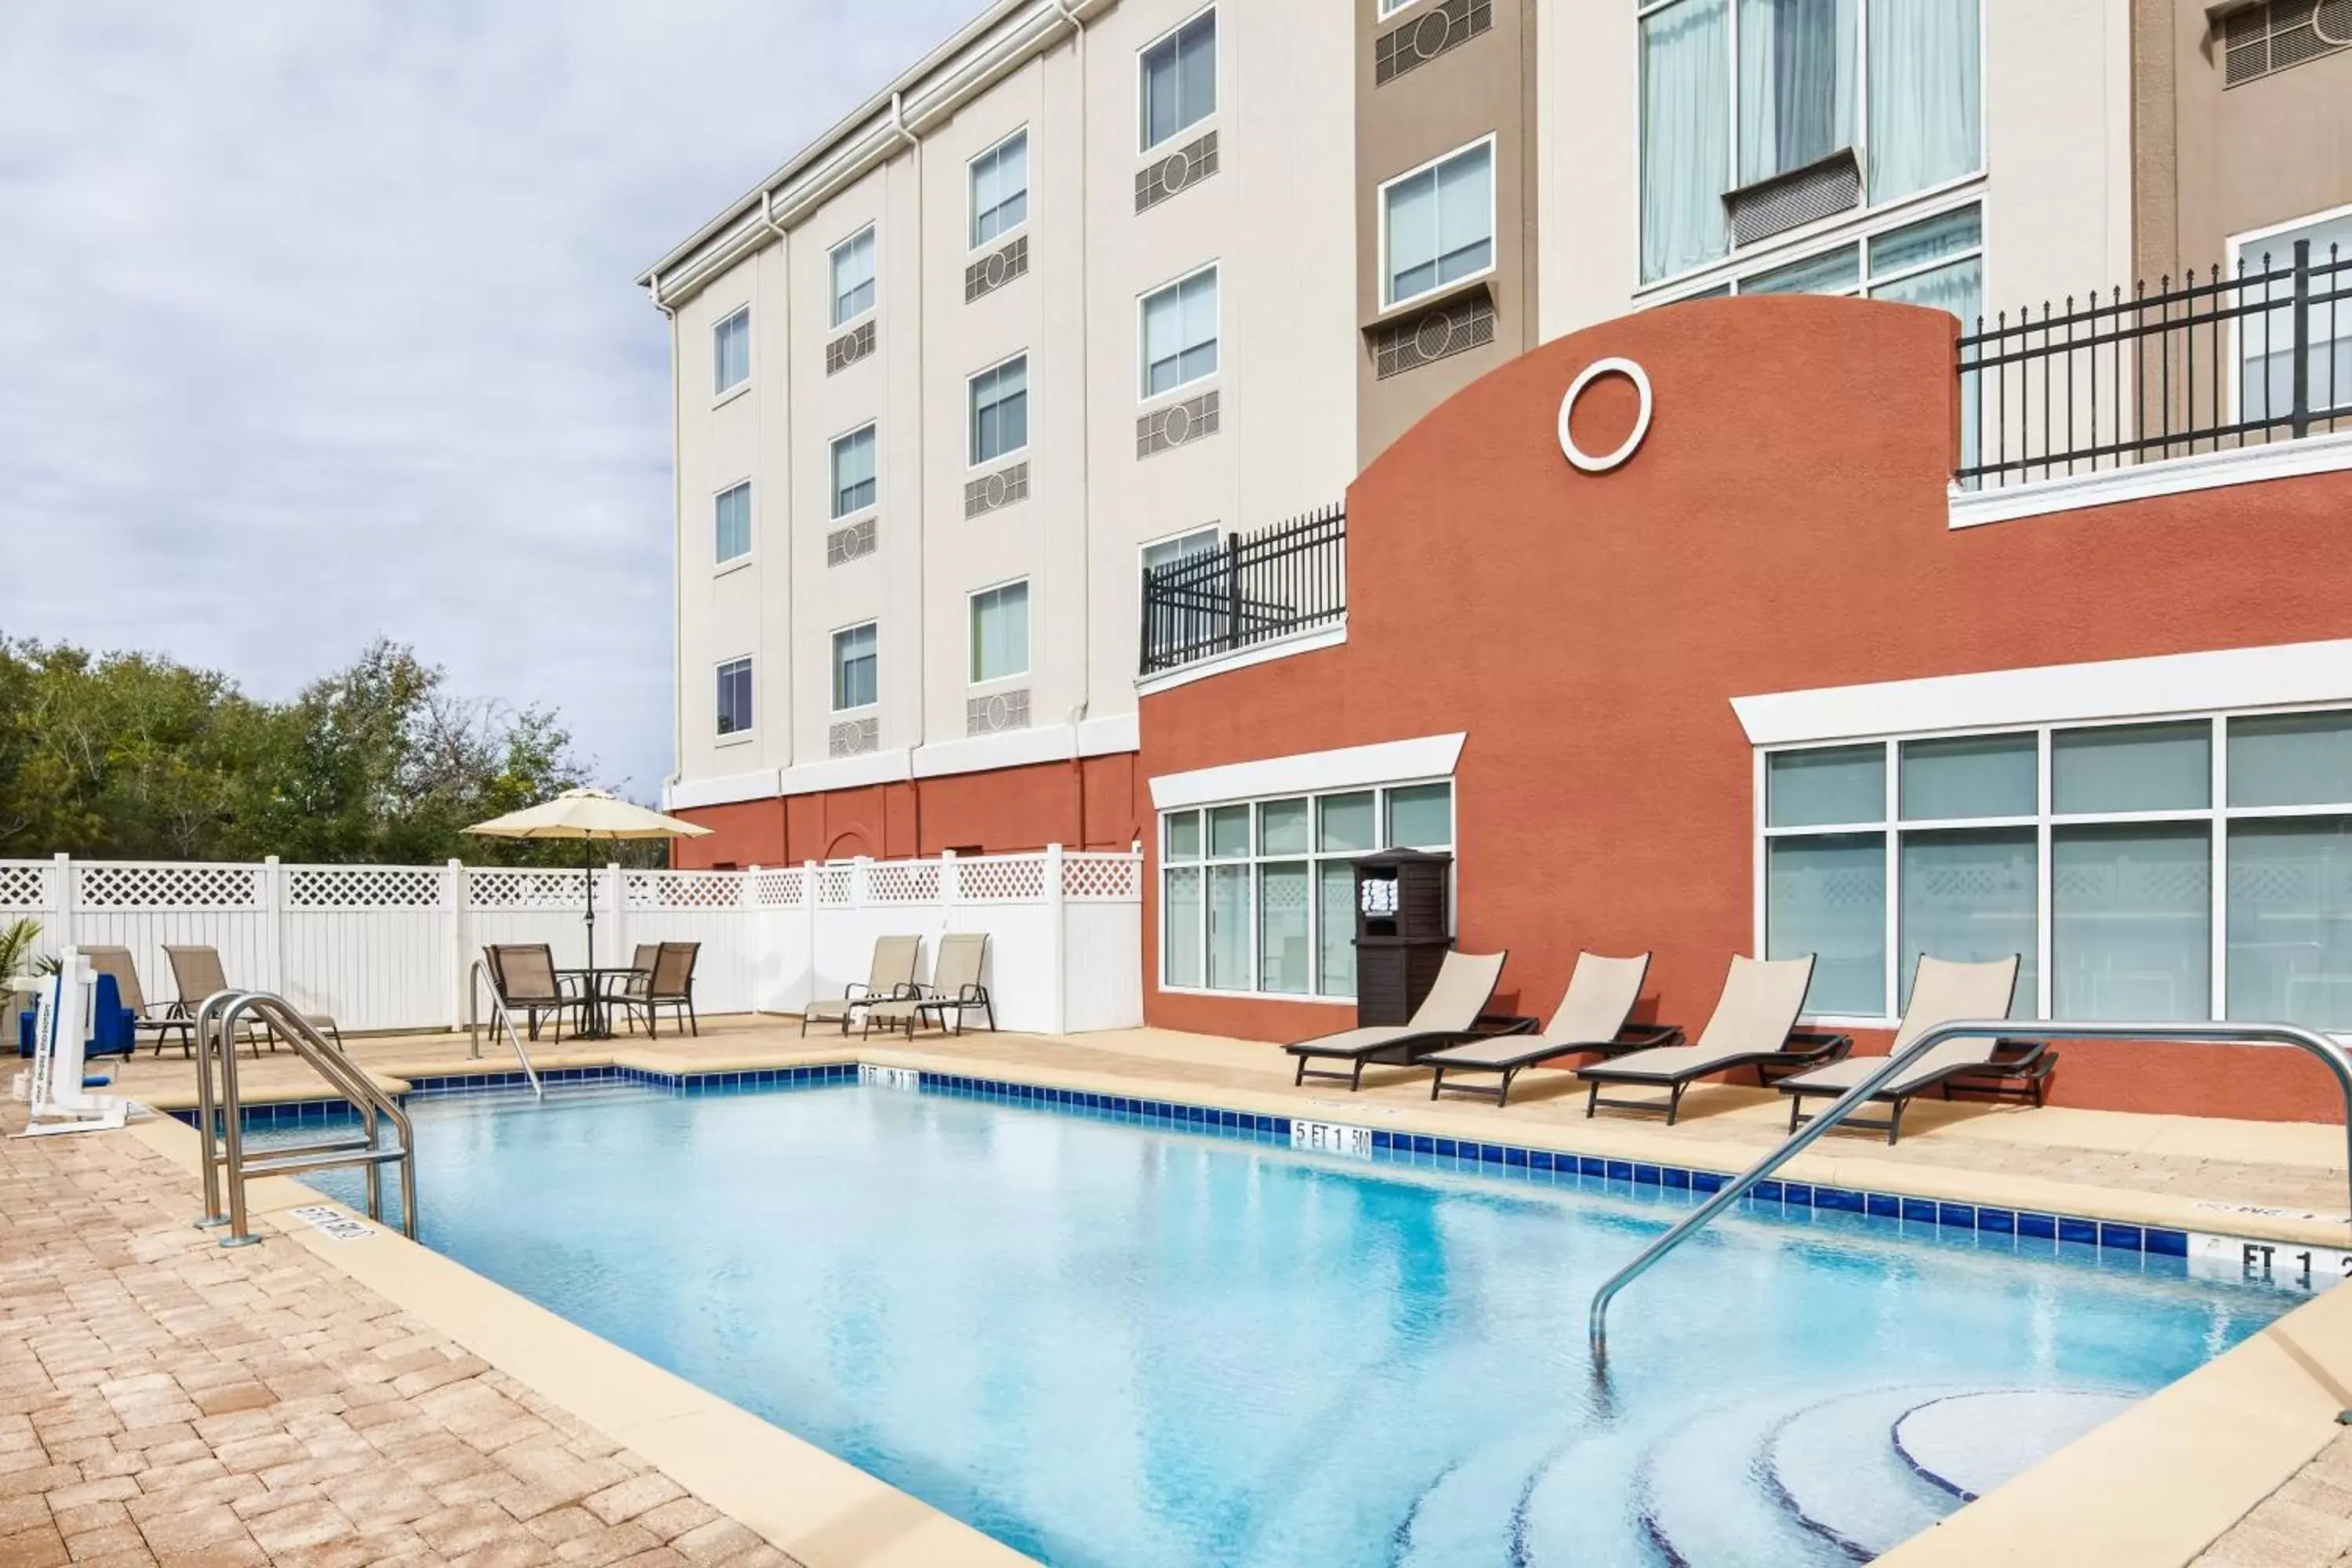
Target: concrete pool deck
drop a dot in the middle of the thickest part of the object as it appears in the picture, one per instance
(2240, 1463)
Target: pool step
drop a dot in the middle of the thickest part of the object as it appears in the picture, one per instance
(1704, 1499)
(1968, 1443)
(1834, 1468)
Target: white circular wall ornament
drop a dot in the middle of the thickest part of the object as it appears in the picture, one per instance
(1584, 461)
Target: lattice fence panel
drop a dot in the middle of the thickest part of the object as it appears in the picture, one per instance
(903, 882)
(1011, 878)
(1102, 879)
(362, 887)
(833, 884)
(683, 890)
(525, 891)
(103, 886)
(777, 889)
(25, 886)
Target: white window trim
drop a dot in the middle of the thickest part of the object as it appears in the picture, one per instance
(1144, 397)
(1027, 388)
(1384, 9)
(832, 296)
(1819, 239)
(833, 664)
(734, 390)
(2235, 249)
(1494, 240)
(751, 533)
(1315, 859)
(735, 737)
(1028, 644)
(833, 489)
(1142, 95)
(971, 211)
(1697, 279)
(2216, 816)
(1425, 759)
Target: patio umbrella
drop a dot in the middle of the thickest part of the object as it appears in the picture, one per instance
(587, 815)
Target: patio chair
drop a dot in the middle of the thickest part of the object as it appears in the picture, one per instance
(889, 977)
(662, 975)
(1591, 1018)
(1941, 992)
(524, 974)
(1447, 1016)
(196, 971)
(1753, 1026)
(955, 989)
(172, 1020)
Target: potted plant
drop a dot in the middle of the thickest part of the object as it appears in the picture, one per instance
(16, 961)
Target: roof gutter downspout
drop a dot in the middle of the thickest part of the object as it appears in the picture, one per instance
(677, 565)
(914, 148)
(1068, 11)
(788, 674)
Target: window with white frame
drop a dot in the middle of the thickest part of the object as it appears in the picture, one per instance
(731, 352)
(999, 632)
(1259, 897)
(856, 667)
(1936, 261)
(1389, 7)
(2192, 868)
(1437, 224)
(2266, 340)
(735, 697)
(1179, 333)
(731, 523)
(853, 276)
(1180, 80)
(1191, 626)
(998, 399)
(1000, 189)
(853, 471)
(1738, 91)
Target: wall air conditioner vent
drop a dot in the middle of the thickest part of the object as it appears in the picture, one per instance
(1770, 206)
(1179, 171)
(995, 270)
(1001, 489)
(1436, 333)
(996, 712)
(853, 738)
(1428, 36)
(849, 348)
(848, 543)
(1163, 430)
(2260, 40)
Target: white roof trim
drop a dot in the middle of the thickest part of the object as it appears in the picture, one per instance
(1350, 767)
(2284, 675)
(687, 794)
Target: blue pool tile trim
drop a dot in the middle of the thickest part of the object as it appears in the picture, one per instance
(1522, 1161)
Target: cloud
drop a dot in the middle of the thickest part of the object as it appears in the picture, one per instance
(316, 321)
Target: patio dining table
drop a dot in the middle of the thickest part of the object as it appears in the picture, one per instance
(599, 1025)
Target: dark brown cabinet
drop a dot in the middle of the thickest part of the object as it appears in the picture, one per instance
(1403, 924)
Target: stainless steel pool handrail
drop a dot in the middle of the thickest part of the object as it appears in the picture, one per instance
(499, 1014)
(1731, 1192)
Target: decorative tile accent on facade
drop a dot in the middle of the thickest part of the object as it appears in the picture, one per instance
(1173, 426)
(1427, 37)
(849, 544)
(996, 711)
(999, 489)
(995, 270)
(1451, 329)
(1185, 167)
(1831, 184)
(2262, 39)
(849, 348)
(854, 737)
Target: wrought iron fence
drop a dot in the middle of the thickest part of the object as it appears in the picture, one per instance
(1246, 588)
(2241, 359)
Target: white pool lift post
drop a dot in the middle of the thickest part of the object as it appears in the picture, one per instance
(62, 1027)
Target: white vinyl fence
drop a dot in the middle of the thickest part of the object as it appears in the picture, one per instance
(393, 947)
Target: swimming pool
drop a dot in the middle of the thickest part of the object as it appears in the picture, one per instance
(1106, 1343)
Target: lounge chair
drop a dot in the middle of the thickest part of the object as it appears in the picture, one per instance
(889, 977)
(174, 1020)
(1754, 1027)
(660, 975)
(524, 975)
(198, 972)
(954, 989)
(1941, 992)
(1446, 1016)
(1591, 1018)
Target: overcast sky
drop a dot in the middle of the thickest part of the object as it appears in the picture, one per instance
(326, 306)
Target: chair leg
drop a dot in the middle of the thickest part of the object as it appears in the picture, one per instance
(1796, 1108)
(1503, 1095)
(1674, 1103)
(1591, 1100)
(693, 1019)
(1436, 1083)
(1300, 1076)
(1356, 1079)
(1895, 1122)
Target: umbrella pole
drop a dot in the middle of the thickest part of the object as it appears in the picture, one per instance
(595, 1029)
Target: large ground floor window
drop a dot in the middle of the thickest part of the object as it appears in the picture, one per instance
(1257, 897)
(2189, 870)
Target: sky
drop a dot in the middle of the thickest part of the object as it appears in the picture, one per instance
(318, 321)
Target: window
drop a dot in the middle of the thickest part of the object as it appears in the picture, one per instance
(1180, 80)
(1260, 896)
(1000, 410)
(1391, 7)
(1000, 189)
(735, 697)
(1936, 261)
(853, 667)
(853, 471)
(1190, 625)
(853, 276)
(1437, 224)
(733, 523)
(1179, 333)
(730, 352)
(2190, 869)
(999, 632)
(2267, 341)
(1738, 91)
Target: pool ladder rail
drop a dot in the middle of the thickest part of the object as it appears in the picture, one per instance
(220, 1118)
(501, 1018)
(2318, 1045)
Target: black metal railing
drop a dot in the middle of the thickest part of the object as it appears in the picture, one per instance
(1246, 588)
(2246, 359)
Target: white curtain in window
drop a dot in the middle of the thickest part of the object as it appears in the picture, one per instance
(1796, 83)
(2290, 921)
(1284, 957)
(2131, 921)
(1229, 923)
(1969, 895)
(1926, 93)
(1686, 135)
(1182, 917)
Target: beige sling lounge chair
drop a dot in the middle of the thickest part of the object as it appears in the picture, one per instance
(173, 1021)
(1591, 1018)
(1447, 1016)
(198, 972)
(1754, 1025)
(889, 977)
(1942, 991)
(955, 987)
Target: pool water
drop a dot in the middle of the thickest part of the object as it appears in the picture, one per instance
(1108, 1344)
